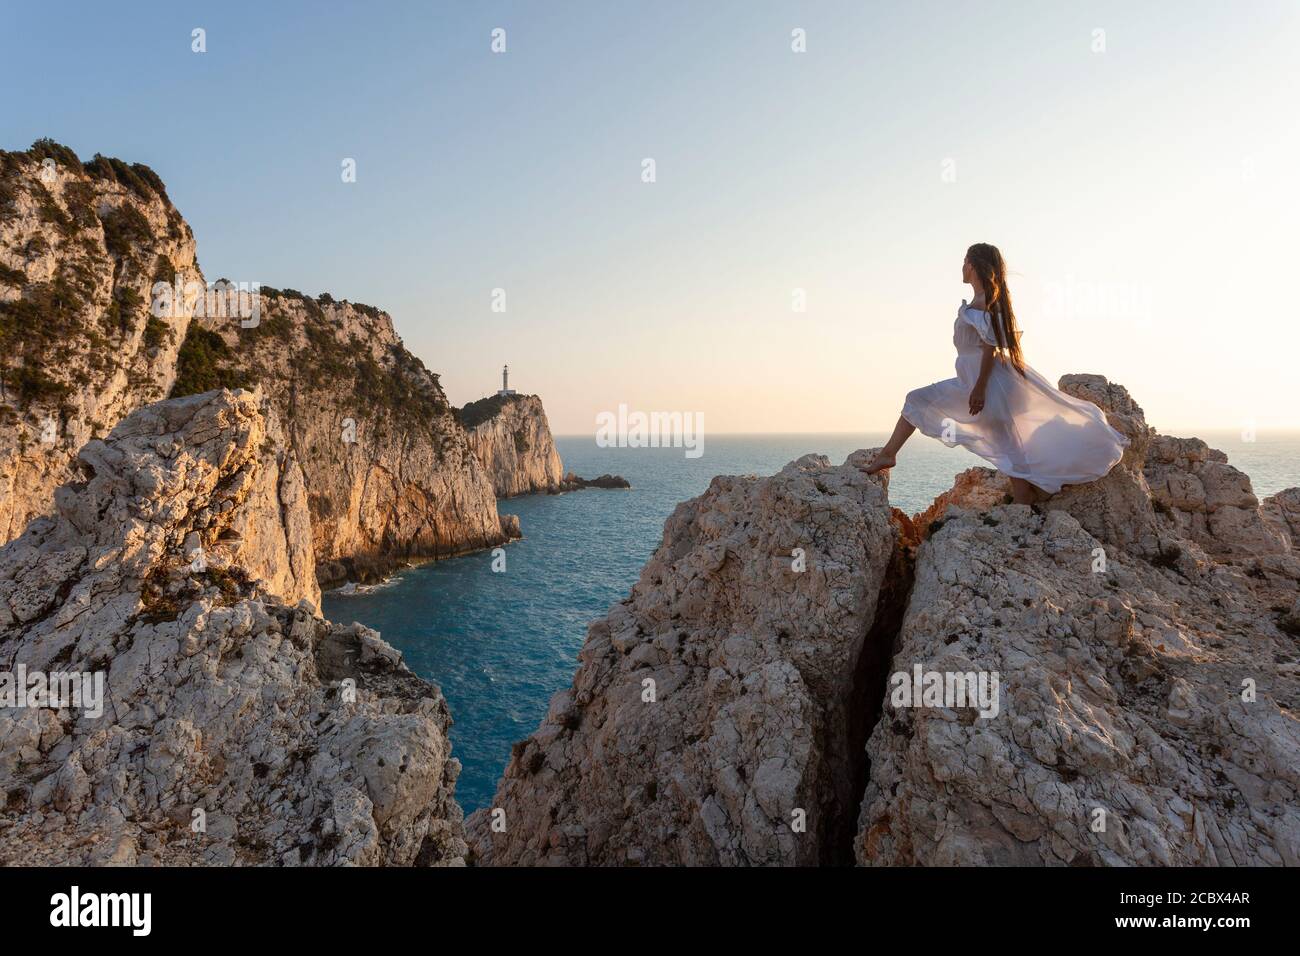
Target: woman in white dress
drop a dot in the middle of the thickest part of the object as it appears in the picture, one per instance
(999, 407)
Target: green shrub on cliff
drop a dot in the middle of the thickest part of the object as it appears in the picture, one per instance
(51, 214)
(125, 227)
(205, 362)
(12, 277)
(79, 196)
(137, 177)
(30, 383)
(476, 413)
(163, 270)
(46, 148)
(156, 332)
(45, 317)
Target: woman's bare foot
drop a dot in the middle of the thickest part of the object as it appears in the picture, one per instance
(880, 463)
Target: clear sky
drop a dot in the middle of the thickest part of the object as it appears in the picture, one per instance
(1144, 194)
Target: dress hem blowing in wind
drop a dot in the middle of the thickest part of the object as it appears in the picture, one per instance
(1028, 429)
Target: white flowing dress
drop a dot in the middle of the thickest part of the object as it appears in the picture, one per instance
(1028, 429)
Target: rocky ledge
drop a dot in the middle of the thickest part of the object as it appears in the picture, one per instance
(749, 702)
(235, 726)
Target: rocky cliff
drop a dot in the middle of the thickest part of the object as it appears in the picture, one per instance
(81, 246)
(391, 474)
(85, 340)
(512, 439)
(235, 726)
(1141, 660)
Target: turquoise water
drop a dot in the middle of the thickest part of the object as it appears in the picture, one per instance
(500, 644)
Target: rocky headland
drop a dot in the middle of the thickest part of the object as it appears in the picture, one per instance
(740, 708)
(510, 436)
(392, 476)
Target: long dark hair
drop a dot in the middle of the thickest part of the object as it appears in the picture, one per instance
(991, 269)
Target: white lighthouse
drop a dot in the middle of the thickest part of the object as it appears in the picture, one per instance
(506, 390)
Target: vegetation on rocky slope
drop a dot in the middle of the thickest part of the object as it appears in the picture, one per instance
(294, 334)
(204, 363)
(476, 413)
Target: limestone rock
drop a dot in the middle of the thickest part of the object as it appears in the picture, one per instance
(1117, 508)
(510, 527)
(975, 488)
(1122, 736)
(236, 727)
(390, 473)
(1281, 512)
(714, 714)
(1204, 499)
(81, 247)
(512, 438)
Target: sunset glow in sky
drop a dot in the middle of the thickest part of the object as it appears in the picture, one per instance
(1145, 194)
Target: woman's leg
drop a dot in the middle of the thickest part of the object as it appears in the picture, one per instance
(1025, 493)
(887, 457)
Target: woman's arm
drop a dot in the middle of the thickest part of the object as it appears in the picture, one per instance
(986, 369)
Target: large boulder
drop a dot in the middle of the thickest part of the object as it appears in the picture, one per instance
(1281, 512)
(1142, 633)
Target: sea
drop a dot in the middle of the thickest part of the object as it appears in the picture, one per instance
(500, 643)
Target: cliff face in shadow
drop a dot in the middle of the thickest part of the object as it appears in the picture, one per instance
(1142, 664)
